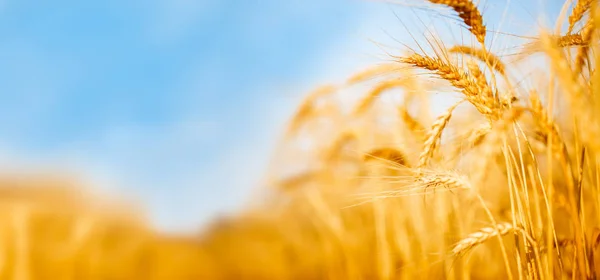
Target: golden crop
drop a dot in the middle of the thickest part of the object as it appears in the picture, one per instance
(504, 184)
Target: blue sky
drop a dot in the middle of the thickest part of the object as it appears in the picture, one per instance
(176, 102)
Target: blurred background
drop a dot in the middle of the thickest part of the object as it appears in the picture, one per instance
(178, 103)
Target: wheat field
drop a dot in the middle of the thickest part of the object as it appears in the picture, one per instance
(502, 184)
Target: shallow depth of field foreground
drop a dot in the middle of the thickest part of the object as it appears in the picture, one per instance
(369, 182)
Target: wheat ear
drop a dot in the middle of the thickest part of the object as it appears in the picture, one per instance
(578, 12)
(387, 154)
(481, 236)
(582, 54)
(372, 95)
(434, 135)
(456, 77)
(307, 108)
(482, 82)
(412, 124)
(338, 147)
(491, 60)
(446, 180)
(570, 40)
(470, 15)
(373, 72)
(546, 124)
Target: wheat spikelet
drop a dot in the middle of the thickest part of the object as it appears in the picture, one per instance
(456, 77)
(412, 124)
(306, 109)
(538, 110)
(297, 181)
(573, 89)
(434, 135)
(388, 154)
(491, 60)
(470, 15)
(566, 76)
(570, 40)
(493, 141)
(373, 72)
(578, 12)
(474, 138)
(501, 126)
(348, 138)
(446, 180)
(588, 28)
(481, 236)
(421, 181)
(586, 36)
(372, 95)
(477, 135)
(482, 82)
(546, 124)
